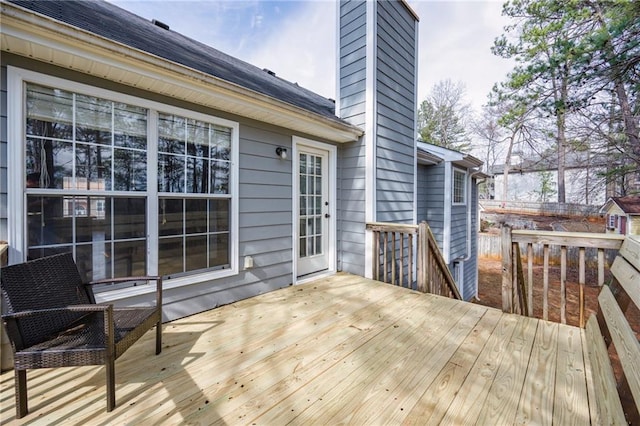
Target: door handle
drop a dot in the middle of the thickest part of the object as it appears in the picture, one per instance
(327, 215)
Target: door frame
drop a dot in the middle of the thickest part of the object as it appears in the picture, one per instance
(332, 156)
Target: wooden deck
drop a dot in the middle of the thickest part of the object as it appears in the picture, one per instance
(337, 350)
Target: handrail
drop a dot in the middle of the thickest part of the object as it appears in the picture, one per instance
(391, 240)
(513, 283)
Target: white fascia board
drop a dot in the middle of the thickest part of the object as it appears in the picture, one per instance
(44, 39)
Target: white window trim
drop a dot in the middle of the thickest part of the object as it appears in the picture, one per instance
(464, 187)
(16, 110)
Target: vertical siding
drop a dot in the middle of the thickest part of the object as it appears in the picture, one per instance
(471, 265)
(3, 154)
(351, 156)
(395, 105)
(431, 198)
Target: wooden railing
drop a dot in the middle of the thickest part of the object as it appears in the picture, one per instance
(395, 257)
(517, 293)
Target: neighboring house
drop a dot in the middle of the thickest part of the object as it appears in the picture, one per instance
(622, 215)
(145, 152)
(447, 196)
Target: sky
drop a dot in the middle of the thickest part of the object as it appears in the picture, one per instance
(297, 38)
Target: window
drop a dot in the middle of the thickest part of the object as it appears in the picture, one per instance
(459, 187)
(613, 221)
(130, 186)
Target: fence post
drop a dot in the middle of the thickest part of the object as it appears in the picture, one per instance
(507, 270)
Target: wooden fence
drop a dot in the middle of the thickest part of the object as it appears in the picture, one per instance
(399, 249)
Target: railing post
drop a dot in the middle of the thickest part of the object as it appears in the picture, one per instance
(423, 249)
(507, 270)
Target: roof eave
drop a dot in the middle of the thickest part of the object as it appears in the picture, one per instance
(45, 39)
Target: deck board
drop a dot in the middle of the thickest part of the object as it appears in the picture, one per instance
(338, 350)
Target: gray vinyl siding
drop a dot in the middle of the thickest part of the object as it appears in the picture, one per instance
(351, 156)
(265, 205)
(471, 265)
(3, 154)
(395, 106)
(431, 198)
(458, 247)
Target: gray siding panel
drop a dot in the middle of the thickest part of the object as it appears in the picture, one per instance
(395, 122)
(351, 156)
(458, 248)
(431, 198)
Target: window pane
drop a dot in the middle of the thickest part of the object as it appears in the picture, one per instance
(49, 164)
(130, 218)
(170, 256)
(130, 126)
(219, 215)
(171, 134)
(197, 175)
(196, 216)
(303, 247)
(129, 258)
(170, 173)
(196, 253)
(218, 250)
(93, 167)
(47, 222)
(49, 112)
(220, 172)
(130, 170)
(220, 143)
(171, 216)
(198, 139)
(93, 120)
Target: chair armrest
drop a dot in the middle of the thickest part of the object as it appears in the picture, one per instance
(157, 279)
(71, 308)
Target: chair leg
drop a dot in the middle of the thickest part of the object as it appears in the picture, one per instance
(159, 337)
(111, 384)
(21, 393)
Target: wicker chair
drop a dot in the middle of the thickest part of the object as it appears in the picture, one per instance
(52, 320)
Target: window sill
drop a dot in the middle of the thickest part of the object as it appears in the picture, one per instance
(125, 293)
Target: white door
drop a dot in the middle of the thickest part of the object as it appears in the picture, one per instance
(313, 212)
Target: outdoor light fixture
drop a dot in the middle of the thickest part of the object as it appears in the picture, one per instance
(281, 152)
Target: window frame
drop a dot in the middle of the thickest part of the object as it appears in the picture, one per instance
(17, 79)
(453, 186)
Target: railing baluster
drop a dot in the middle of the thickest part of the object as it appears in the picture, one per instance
(530, 278)
(581, 278)
(563, 284)
(410, 261)
(600, 267)
(393, 258)
(545, 284)
(377, 255)
(384, 258)
(402, 259)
